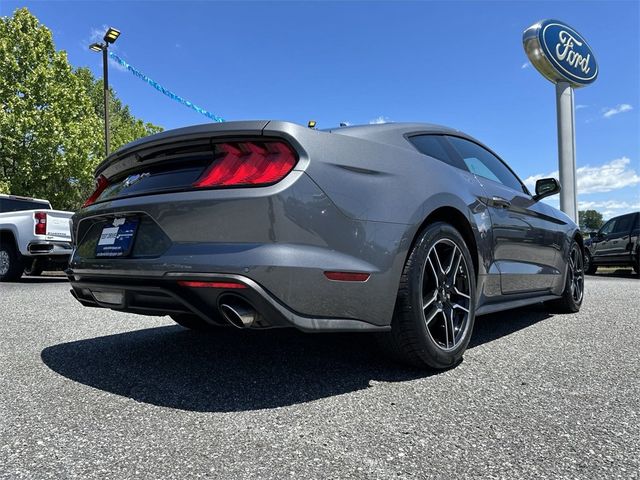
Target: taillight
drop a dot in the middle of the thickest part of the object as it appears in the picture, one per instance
(101, 184)
(248, 164)
(41, 223)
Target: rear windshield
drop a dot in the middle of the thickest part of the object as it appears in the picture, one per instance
(173, 167)
(18, 205)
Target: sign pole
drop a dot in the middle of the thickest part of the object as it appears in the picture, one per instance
(567, 149)
(563, 57)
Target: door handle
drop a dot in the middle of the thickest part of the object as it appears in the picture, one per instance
(500, 202)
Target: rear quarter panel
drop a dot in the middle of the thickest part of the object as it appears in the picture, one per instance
(381, 183)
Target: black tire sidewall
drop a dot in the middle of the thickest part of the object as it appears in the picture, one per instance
(15, 263)
(591, 269)
(33, 272)
(431, 235)
(587, 261)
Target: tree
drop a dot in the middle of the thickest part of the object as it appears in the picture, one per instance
(124, 126)
(590, 219)
(47, 123)
(50, 117)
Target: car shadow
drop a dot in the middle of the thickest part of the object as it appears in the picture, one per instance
(617, 273)
(489, 328)
(43, 279)
(231, 370)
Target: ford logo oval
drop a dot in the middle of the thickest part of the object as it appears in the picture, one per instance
(133, 179)
(560, 53)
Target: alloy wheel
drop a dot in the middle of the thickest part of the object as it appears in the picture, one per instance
(576, 274)
(446, 294)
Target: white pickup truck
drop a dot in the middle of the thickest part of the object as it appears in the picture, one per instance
(33, 237)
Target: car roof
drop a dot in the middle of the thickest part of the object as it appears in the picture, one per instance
(387, 133)
(395, 133)
(19, 197)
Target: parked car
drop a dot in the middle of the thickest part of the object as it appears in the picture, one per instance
(33, 237)
(408, 230)
(616, 244)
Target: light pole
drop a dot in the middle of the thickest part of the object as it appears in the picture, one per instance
(110, 37)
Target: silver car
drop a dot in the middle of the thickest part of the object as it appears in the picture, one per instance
(407, 230)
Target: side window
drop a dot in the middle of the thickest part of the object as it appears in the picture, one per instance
(607, 228)
(15, 205)
(485, 164)
(623, 224)
(434, 146)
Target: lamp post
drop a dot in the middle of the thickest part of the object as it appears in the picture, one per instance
(110, 37)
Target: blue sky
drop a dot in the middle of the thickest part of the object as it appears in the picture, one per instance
(455, 63)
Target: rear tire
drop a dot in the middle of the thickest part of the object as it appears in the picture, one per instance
(11, 265)
(573, 293)
(33, 269)
(435, 308)
(589, 267)
(192, 322)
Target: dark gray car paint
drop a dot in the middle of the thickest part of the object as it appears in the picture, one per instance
(355, 202)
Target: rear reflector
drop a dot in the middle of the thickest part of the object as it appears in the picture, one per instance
(248, 164)
(101, 184)
(211, 284)
(347, 276)
(40, 223)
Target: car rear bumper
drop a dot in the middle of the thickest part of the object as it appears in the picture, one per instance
(49, 248)
(173, 293)
(284, 238)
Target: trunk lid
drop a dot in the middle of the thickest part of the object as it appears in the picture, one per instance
(58, 225)
(233, 154)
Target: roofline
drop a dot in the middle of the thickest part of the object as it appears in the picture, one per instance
(22, 197)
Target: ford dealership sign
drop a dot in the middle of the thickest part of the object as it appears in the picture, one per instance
(560, 53)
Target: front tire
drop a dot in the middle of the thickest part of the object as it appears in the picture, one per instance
(11, 266)
(435, 309)
(573, 293)
(589, 267)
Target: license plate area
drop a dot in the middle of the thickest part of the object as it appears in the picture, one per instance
(117, 237)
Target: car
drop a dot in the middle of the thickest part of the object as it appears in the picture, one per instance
(33, 237)
(616, 244)
(406, 230)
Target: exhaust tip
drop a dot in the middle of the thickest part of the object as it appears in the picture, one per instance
(238, 313)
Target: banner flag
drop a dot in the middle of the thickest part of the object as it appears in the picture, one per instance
(163, 90)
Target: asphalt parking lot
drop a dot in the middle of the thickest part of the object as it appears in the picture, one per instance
(88, 393)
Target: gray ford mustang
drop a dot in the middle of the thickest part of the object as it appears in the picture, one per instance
(409, 230)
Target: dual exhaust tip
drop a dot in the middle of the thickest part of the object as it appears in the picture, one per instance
(238, 312)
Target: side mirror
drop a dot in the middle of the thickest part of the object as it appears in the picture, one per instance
(546, 187)
(593, 234)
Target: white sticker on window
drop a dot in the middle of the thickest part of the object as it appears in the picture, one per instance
(108, 236)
